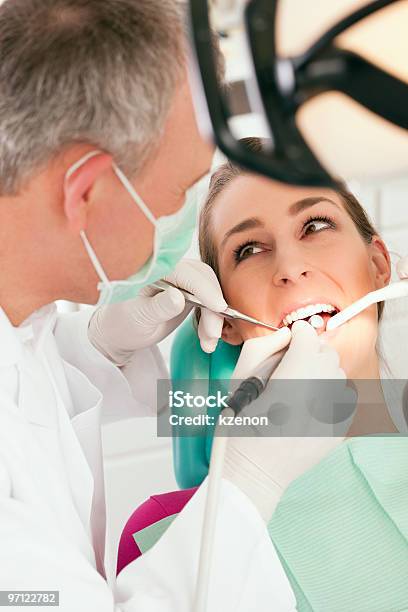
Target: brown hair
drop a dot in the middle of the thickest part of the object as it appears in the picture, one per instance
(228, 171)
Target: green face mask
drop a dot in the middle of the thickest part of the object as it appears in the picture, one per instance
(172, 239)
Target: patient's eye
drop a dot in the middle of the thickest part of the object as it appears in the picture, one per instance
(243, 251)
(315, 225)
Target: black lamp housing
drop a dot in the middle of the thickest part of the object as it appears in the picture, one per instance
(285, 84)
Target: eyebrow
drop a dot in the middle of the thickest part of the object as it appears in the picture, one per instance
(250, 223)
(294, 209)
(301, 205)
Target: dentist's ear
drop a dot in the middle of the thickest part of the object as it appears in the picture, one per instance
(230, 333)
(78, 185)
(381, 262)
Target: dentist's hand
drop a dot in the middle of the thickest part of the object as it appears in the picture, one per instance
(307, 356)
(263, 465)
(117, 330)
(255, 350)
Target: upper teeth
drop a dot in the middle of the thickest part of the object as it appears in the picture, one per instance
(307, 311)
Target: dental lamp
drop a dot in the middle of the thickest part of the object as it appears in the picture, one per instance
(336, 106)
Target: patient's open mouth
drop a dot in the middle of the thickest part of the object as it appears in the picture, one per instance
(323, 310)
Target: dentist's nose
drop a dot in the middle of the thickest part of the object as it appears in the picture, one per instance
(290, 269)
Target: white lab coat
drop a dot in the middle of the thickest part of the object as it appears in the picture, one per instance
(54, 389)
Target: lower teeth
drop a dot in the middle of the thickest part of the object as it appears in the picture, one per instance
(316, 321)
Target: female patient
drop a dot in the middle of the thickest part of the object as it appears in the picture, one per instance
(283, 253)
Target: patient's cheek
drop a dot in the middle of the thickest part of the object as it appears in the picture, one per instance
(254, 304)
(254, 331)
(355, 343)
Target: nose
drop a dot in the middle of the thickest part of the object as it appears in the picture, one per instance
(290, 269)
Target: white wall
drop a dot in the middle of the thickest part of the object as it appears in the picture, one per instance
(388, 208)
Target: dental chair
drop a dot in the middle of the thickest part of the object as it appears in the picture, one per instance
(189, 363)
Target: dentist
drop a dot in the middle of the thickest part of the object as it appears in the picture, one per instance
(99, 150)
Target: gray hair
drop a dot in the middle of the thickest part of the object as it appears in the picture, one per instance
(102, 72)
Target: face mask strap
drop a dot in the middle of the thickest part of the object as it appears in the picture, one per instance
(129, 187)
(121, 176)
(91, 253)
(81, 162)
(147, 212)
(92, 256)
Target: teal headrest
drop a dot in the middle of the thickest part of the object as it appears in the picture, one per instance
(188, 362)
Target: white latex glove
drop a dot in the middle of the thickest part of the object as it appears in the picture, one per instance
(262, 467)
(117, 330)
(255, 350)
(309, 356)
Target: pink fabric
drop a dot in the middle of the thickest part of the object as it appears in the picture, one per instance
(154, 509)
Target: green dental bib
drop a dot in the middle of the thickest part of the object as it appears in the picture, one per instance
(341, 529)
